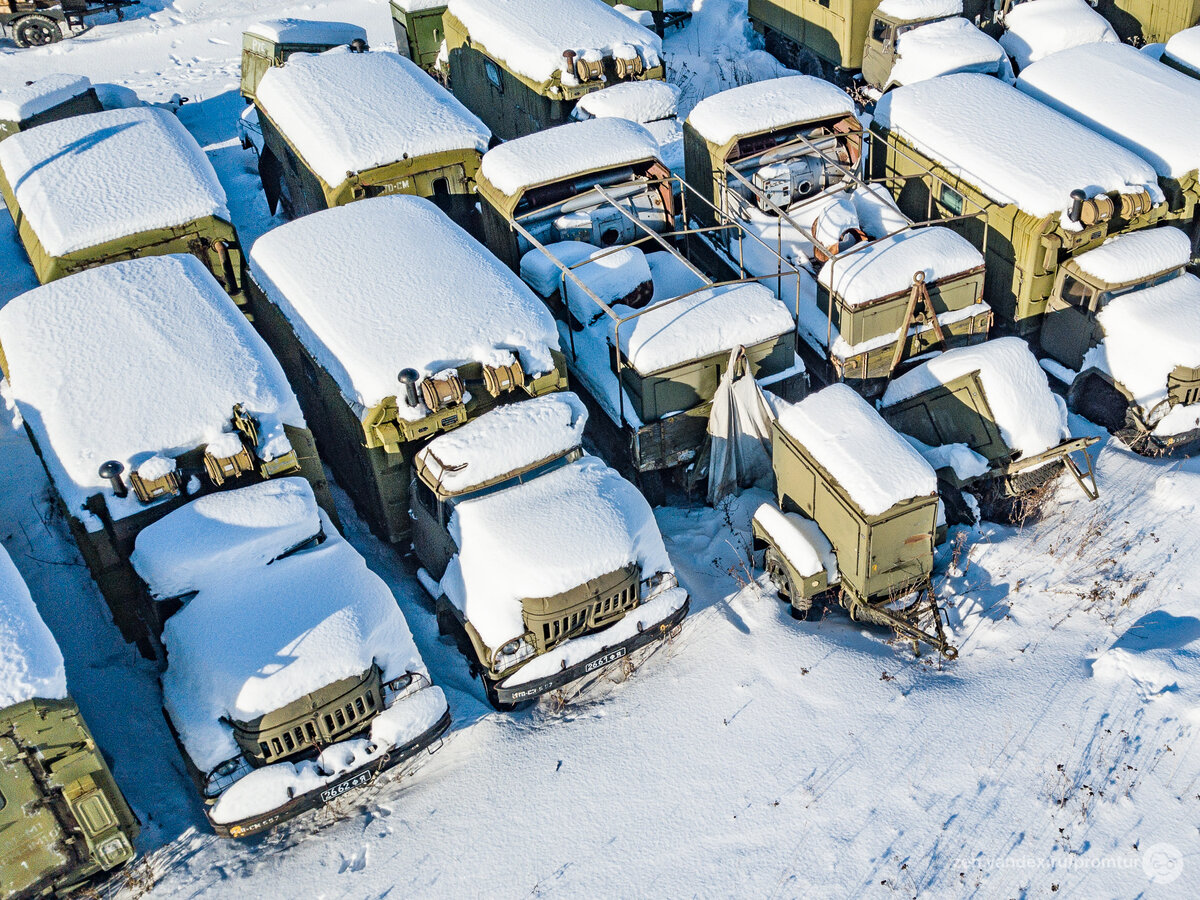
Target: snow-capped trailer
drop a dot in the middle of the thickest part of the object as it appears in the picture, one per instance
(36, 23)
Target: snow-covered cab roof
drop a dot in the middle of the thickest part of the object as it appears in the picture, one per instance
(137, 362)
(767, 105)
(391, 283)
(307, 32)
(1184, 48)
(1038, 28)
(1128, 258)
(26, 101)
(637, 101)
(945, 46)
(225, 532)
(142, 171)
(1030, 417)
(874, 465)
(1123, 94)
(566, 150)
(31, 665)
(915, 10)
(545, 536)
(348, 112)
(1012, 148)
(887, 266)
(530, 36)
(511, 438)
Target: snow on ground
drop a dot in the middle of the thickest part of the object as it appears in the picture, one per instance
(752, 756)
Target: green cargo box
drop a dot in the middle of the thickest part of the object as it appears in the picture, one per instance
(80, 104)
(419, 31)
(269, 44)
(1149, 21)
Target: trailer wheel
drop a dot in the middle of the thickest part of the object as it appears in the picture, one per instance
(1098, 401)
(36, 31)
(799, 607)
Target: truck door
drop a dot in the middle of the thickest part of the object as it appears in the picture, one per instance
(1069, 325)
(879, 53)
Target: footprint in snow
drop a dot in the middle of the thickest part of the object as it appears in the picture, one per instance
(355, 862)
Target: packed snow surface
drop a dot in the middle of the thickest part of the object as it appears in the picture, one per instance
(1133, 100)
(1137, 255)
(134, 359)
(713, 320)
(529, 36)
(307, 31)
(509, 549)
(27, 100)
(1039, 28)
(949, 45)
(143, 171)
(227, 531)
(1031, 418)
(254, 639)
(637, 101)
(31, 665)
(504, 440)
(425, 295)
(874, 464)
(1184, 48)
(888, 266)
(1147, 333)
(1008, 145)
(348, 112)
(913, 10)
(800, 540)
(557, 153)
(766, 105)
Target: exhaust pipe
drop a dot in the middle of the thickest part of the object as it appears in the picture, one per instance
(409, 378)
(1076, 210)
(112, 471)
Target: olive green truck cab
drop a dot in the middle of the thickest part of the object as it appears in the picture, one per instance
(648, 314)
(546, 566)
(48, 99)
(344, 125)
(419, 31)
(856, 518)
(142, 386)
(1047, 187)
(663, 14)
(117, 185)
(271, 43)
(63, 820)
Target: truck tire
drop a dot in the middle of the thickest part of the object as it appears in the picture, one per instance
(1098, 401)
(798, 607)
(36, 31)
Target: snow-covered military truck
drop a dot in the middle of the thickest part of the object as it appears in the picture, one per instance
(522, 65)
(985, 418)
(1035, 29)
(1136, 102)
(419, 31)
(142, 387)
(1048, 187)
(874, 289)
(582, 583)
(63, 820)
(46, 100)
(388, 348)
(271, 43)
(1182, 52)
(856, 518)
(1124, 323)
(341, 126)
(116, 185)
(36, 23)
(652, 104)
(664, 14)
(587, 213)
(252, 576)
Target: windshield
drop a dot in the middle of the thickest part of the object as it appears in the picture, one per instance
(528, 475)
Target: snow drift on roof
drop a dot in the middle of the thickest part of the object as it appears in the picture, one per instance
(504, 440)
(874, 464)
(143, 171)
(20, 103)
(544, 537)
(1147, 333)
(391, 283)
(1184, 48)
(1008, 145)
(225, 531)
(31, 664)
(134, 359)
(637, 101)
(888, 266)
(1136, 256)
(529, 36)
(566, 150)
(348, 112)
(414, 6)
(765, 105)
(1030, 417)
(255, 639)
(714, 320)
(1038, 28)
(912, 10)
(949, 45)
(1139, 103)
(307, 31)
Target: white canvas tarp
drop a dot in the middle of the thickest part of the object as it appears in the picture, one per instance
(739, 433)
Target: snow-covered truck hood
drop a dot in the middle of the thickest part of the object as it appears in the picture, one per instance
(545, 537)
(20, 103)
(1038, 28)
(1136, 256)
(1184, 49)
(31, 665)
(767, 105)
(947, 46)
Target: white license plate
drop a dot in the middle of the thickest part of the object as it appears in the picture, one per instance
(349, 784)
(604, 660)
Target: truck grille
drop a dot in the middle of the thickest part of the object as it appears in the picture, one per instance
(590, 607)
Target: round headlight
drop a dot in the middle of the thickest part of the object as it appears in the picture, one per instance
(227, 767)
(511, 647)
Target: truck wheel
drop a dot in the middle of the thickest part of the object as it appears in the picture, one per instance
(36, 31)
(1098, 401)
(799, 607)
